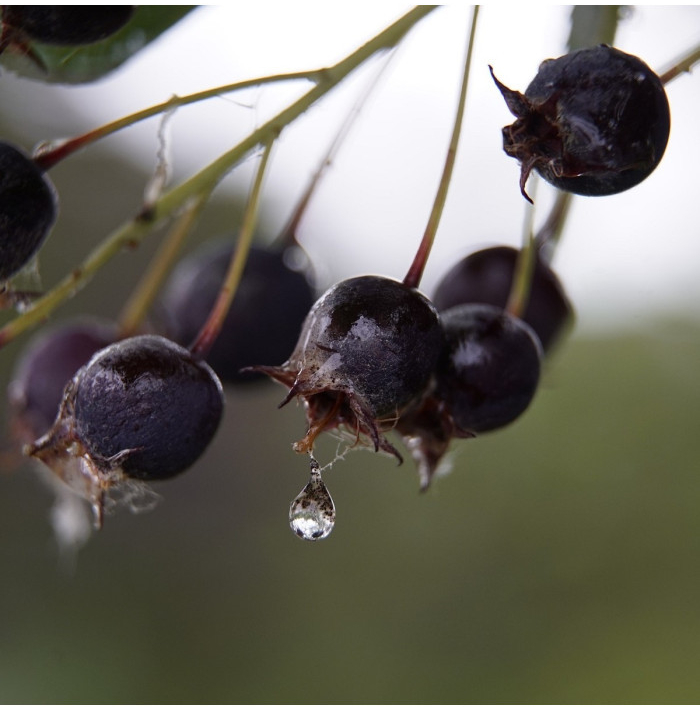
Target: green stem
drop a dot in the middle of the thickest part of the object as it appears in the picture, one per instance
(134, 231)
(415, 272)
(144, 294)
(524, 266)
(211, 328)
(550, 232)
(48, 154)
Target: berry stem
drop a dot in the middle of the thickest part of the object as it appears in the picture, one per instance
(550, 232)
(144, 294)
(415, 272)
(134, 231)
(524, 265)
(682, 65)
(211, 328)
(49, 154)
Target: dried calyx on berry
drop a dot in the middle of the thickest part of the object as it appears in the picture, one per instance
(263, 322)
(28, 209)
(46, 365)
(486, 276)
(486, 378)
(593, 122)
(367, 350)
(141, 409)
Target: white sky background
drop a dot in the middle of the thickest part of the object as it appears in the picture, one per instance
(622, 257)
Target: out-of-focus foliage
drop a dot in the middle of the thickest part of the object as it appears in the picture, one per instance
(556, 564)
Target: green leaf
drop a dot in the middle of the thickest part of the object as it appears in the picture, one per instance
(76, 65)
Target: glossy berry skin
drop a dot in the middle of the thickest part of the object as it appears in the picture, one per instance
(366, 351)
(66, 24)
(28, 209)
(146, 403)
(263, 322)
(490, 368)
(592, 122)
(486, 276)
(45, 367)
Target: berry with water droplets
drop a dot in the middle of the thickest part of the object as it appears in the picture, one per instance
(367, 350)
(593, 122)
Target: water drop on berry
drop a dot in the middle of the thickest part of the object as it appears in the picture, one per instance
(593, 122)
(312, 513)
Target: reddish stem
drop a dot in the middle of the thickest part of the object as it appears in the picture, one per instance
(415, 272)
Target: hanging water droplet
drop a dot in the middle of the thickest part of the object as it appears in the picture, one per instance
(312, 513)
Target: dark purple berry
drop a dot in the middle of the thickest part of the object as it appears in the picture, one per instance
(263, 322)
(66, 24)
(490, 368)
(148, 403)
(141, 409)
(366, 351)
(486, 276)
(49, 362)
(486, 377)
(28, 208)
(592, 122)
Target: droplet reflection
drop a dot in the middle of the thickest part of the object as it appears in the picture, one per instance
(312, 513)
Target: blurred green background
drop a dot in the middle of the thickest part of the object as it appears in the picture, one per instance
(558, 563)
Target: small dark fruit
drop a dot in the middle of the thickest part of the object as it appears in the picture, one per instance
(367, 349)
(140, 409)
(486, 378)
(486, 276)
(263, 322)
(490, 368)
(65, 24)
(45, 367)
(147, 400)
(28, 209)
(592, 122)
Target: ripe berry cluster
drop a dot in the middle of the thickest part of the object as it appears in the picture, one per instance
(372, 354)
(376, 355)
(594, 122)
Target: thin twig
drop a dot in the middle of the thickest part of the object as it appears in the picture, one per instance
(415, 272)
(134, 231)
(211, 328)
(144, 294)
(50, 153)
(682, 65)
